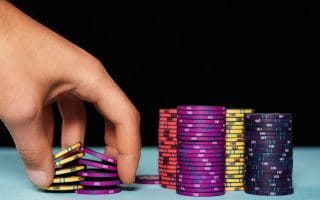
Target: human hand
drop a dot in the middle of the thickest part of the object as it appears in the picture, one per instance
(39, 67)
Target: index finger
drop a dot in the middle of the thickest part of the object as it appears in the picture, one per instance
(99, 88)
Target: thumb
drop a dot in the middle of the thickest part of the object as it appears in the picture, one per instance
(34, 148)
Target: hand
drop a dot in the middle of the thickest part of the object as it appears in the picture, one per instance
(39, 67)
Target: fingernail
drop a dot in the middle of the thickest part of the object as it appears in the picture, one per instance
(39, 178)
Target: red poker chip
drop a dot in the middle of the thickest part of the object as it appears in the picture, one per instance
(165, 130)
(168, 110)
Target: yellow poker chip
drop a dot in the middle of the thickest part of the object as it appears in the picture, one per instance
(69, 170)
(234, 176)
(235, 123)
(235, 160)
(234, 184)
(233, 135)
(235, 172)
(235, 147)
(59, 163)
(235, 156)
(234, 151)
(235, 131)
(235, 115)
(232, 168)
(234, 119)
(245, 111)
(234, 189)
(234, 180)
(235, 127)
(235, 164)
(62, 187)
(67, 150)
(235, 143)
(234, 139)
(69, 179)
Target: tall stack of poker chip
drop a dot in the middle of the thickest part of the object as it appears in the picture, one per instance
(269, 160)
(101, 175)
(65, 165)
(167, 146)
(201, 150)
(235, 148)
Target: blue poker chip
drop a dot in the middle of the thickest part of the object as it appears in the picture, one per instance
(273, 172)
(268, 116)
(250, 175)
(267, 125)
(265, 184)
(266, 159)
(266, 129)
(268, 142)
(274, 120)
(267, 180)
(268, 137)
(269, 146)
(268, 155)
(267, 150)
(270, 163)
(266, 167)
(261, 133)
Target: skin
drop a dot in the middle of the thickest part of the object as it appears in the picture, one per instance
(39, 67)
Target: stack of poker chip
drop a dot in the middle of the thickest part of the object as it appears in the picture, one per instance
(235, 149)
(201, 151)
(65, 165)
(167, 147)
(100, 175)
(269, 160)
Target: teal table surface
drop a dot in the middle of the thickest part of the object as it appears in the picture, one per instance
(14, 183)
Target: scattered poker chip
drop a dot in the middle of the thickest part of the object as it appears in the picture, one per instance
(59, 163)
(67, 150)
(69, 179)
(97, 164)
(205, 108)
(194, 194)
(62, 188)
(99, 191)
(98, 173)
(147, 179)
(69, 170)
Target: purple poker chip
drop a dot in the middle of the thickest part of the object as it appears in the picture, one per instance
(203, 173)
(221, 150)
(190, 134)
(99, 191)
(200, 177)
(199, 107)
(203, 194)
(201, 155)
(147, 179)
(98, 155)
(202, 117)
(201, 143)
(219, 187)
(202, 130)
(254, 116)
(192, 168)
(97, 164)
(199, 181)
(200, 112)
(98, 173)
(215, 160)
(200, 185)
(100, 182)
(186, 138)
(189, 125)
(201, 121)
(201, 164)
(188, 145)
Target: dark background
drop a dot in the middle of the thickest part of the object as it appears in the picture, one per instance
(261, 58)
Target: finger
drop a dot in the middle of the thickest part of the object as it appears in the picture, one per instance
(74, 119)
(110, 140)
(48, 123)
(32, 143)
(117, 108)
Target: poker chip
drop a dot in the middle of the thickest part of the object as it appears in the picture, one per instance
(68, 170)
(269, 160)
(99, 191)
(68, 179)
(62, 188)
(167, 147)
(98, 173)
(201, 150)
